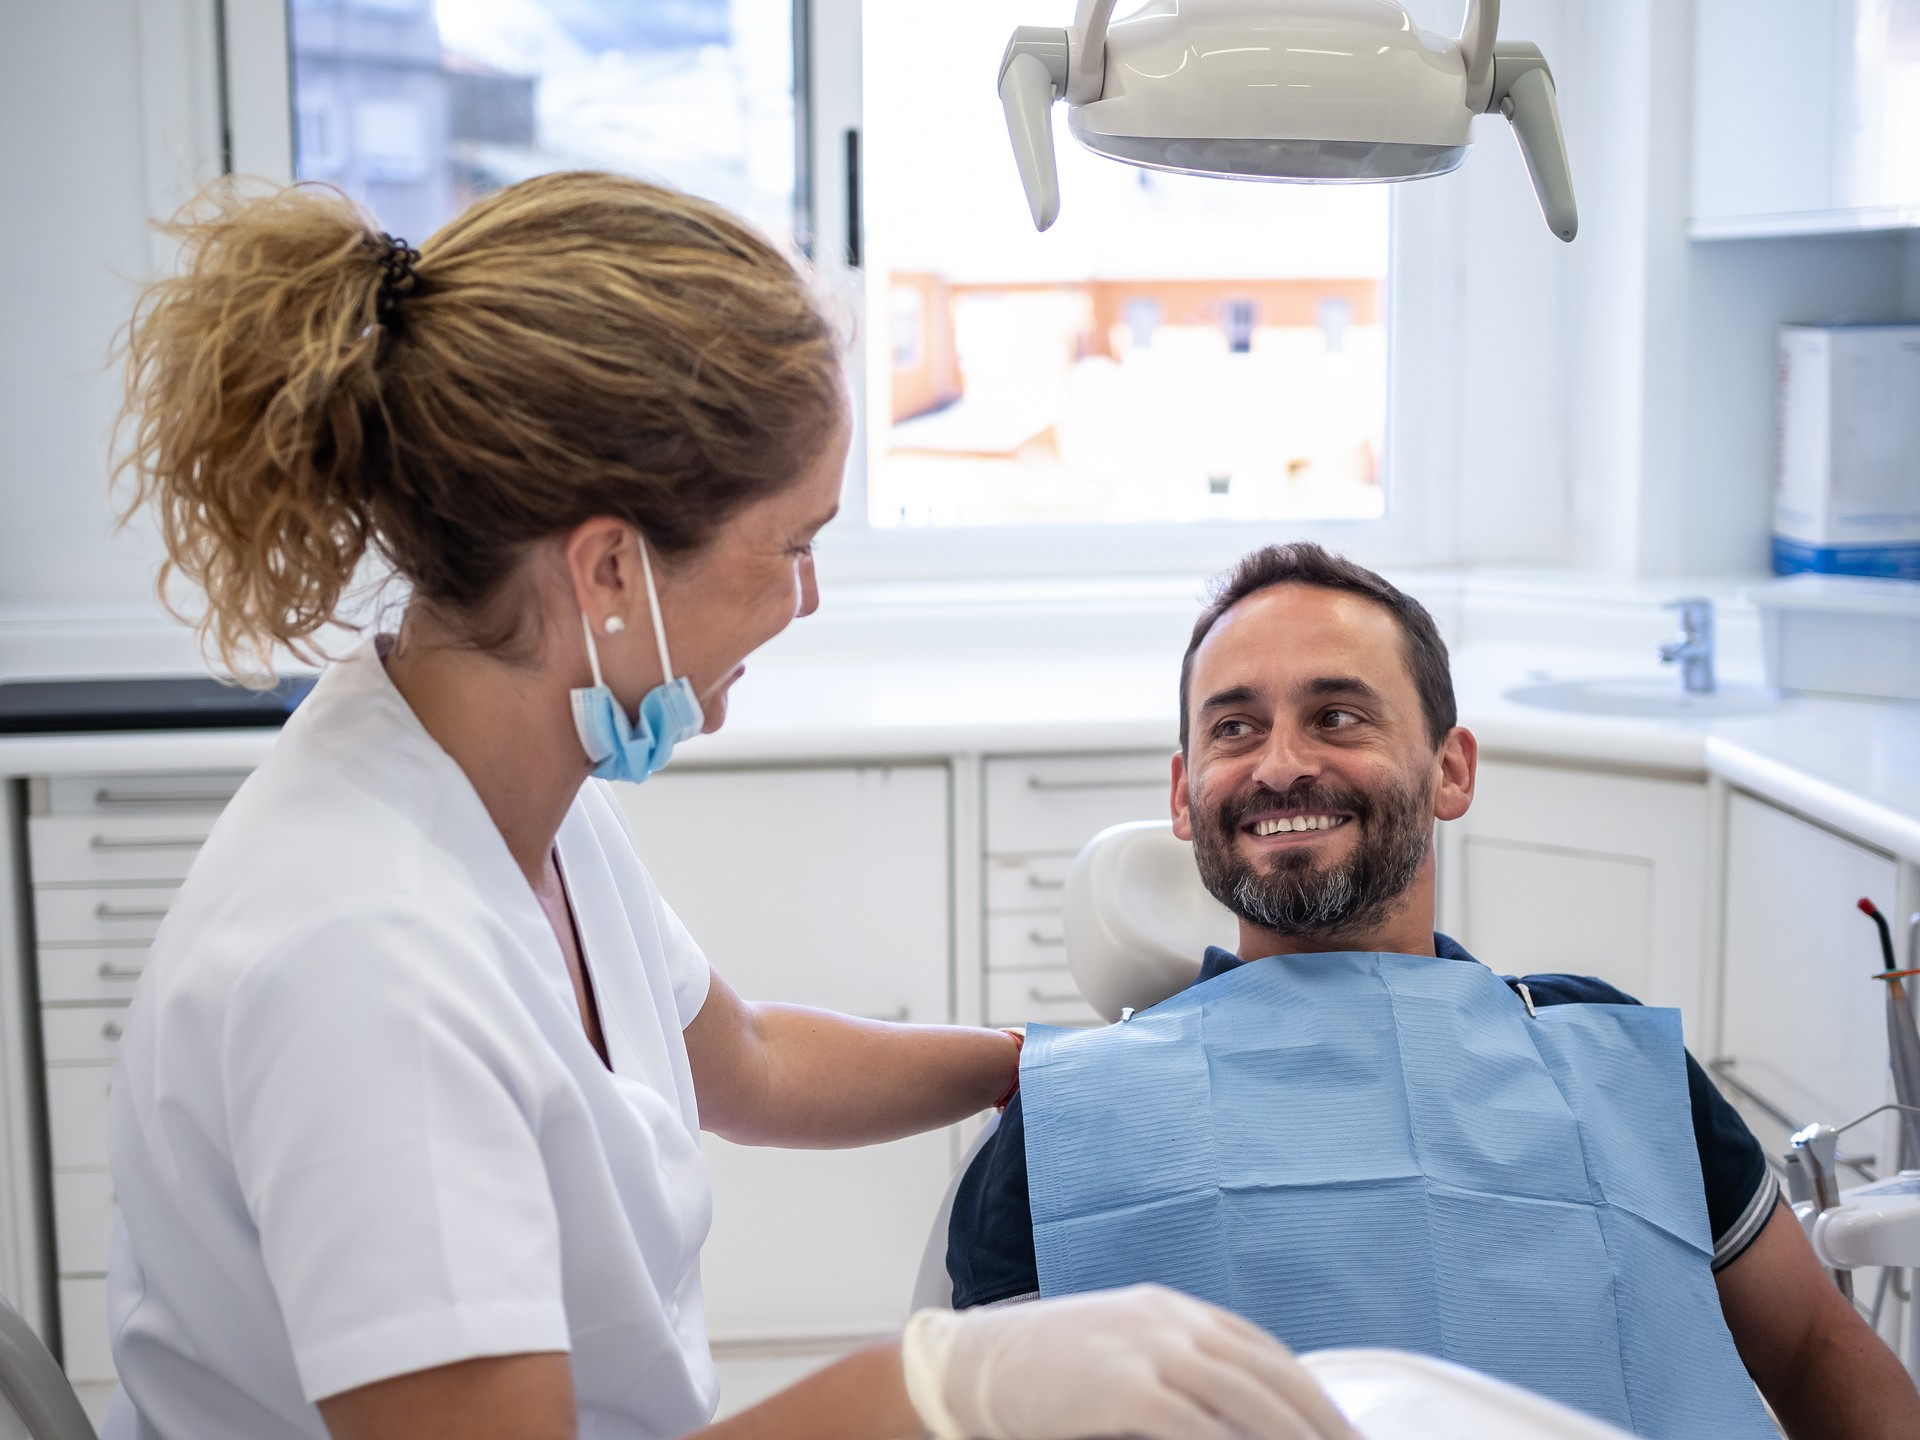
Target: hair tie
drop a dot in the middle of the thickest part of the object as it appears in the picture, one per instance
(398, 279)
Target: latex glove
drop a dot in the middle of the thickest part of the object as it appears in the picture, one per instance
(1146, 1362)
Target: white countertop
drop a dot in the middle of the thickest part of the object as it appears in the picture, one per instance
(1853, 765)
(890, 677)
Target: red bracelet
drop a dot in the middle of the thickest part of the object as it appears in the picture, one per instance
(1019, 1044)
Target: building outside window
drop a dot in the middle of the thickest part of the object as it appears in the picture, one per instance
(452, 99)
(1162, 353)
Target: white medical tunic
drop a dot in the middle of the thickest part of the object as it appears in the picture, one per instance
(358, 1129)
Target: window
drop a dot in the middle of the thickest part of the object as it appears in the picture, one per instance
(451, 99)
(1177, 370)
(1172, 349)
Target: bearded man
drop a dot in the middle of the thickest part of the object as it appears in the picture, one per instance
(1355, 1134)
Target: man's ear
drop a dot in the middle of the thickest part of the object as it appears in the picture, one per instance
(1459, 760)
(1179, 801)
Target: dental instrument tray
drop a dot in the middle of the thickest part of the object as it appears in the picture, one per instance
(166, 702)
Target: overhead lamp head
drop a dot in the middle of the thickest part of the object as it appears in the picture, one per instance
(1309, 91)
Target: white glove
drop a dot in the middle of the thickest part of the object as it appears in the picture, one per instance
(1145, 1362)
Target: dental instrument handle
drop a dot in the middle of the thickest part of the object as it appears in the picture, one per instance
(1032, 74)
(1819, 1149)
(1523, 91)
(1872, 912)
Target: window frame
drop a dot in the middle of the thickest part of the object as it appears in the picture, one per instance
(1425, 390)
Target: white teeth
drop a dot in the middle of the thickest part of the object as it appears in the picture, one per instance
(1286, 824)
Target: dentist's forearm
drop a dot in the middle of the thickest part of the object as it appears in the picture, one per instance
(810, 1079)
(837, 1080)
(862, 1397)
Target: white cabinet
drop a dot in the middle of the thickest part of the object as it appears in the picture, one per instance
(1803, 1019)
(831, 888)
(106, 855)
(1039, 812)
(828, 887)
(1583, 872)
(1806, 116)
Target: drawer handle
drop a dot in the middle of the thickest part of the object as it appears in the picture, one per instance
(148, 842)
(110, 971)
(104, 911)
(1040, 937)
(109, 799)
(1041, 783)
(1053, 997)
(893, 1017)
(1040, 882)
(112, 1030)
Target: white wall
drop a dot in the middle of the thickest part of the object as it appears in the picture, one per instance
(74, 171)
(1499, 287)
(68, 78)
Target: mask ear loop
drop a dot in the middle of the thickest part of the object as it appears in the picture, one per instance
(653, 608)
(593, 650)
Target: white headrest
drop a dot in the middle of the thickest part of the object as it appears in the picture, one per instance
(1138, 919)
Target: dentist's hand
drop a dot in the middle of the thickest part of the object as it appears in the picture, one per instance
(1145, 1362)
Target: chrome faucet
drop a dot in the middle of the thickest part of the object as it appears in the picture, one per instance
(1692, 646)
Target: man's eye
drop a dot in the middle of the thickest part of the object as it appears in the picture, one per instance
(1231, 730)
(1339, 719)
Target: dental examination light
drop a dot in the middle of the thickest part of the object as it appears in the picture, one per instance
(1316, 91)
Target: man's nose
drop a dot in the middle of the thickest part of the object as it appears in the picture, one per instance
(1285, 760)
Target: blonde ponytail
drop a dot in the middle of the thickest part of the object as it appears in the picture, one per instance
(575, 345)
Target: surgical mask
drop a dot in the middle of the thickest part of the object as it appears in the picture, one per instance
(669, 713)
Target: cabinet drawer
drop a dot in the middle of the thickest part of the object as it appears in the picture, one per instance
(102, 913)
(1038, 997)
(1026, 882)
(90, 975)
(83, 1035)
(1026, 942)
(77, 1115)
(206, 790)
(1060, 804)
(115, 849)
(83, 1330)
(82, 1220)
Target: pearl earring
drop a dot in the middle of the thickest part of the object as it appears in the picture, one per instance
(615, 625)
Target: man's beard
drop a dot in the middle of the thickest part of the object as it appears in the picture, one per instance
(1295, 894)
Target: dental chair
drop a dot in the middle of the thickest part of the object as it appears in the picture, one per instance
(1138, 922)
(36, 1402)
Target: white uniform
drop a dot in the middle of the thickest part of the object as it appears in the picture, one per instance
(358, 1129)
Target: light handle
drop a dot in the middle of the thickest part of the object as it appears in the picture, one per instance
(1033, 74)
(1523, 92)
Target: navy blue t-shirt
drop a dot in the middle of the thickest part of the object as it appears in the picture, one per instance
(990, 1240)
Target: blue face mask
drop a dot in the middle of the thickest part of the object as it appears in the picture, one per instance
(669, 713)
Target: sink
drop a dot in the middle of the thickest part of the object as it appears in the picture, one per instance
(1647, 699)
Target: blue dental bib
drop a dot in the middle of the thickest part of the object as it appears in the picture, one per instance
(1390, 1150)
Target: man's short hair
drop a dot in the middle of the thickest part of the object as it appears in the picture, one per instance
(1301, 562)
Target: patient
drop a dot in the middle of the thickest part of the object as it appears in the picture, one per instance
(1363, 1137)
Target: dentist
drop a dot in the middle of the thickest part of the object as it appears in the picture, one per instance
(405, 1129)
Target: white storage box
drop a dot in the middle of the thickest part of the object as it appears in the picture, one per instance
(1841, 634)
(1847, 491)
